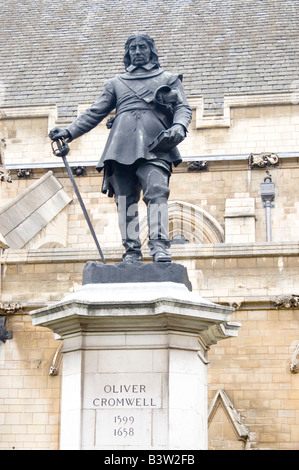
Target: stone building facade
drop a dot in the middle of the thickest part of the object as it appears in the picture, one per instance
(240, 73)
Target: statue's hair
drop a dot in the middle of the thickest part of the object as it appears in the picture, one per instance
(154, 53)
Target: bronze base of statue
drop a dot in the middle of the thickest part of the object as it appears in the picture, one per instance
(97, 273)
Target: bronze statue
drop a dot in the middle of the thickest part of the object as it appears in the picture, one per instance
(152, 117)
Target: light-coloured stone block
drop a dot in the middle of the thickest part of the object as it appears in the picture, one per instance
(134, 374)
(240, 220)
(28, 213)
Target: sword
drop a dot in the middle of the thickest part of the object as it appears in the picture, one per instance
(61, 150)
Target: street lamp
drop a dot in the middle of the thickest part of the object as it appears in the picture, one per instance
(267, 191)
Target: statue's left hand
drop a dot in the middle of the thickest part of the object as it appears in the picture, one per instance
(176, 133)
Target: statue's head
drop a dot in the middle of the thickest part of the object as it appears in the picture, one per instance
(151, 55)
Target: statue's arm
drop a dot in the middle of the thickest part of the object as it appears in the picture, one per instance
(182, 114)
(87, 120)
(92, 116)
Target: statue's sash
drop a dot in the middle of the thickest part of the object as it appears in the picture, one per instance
(147, 96)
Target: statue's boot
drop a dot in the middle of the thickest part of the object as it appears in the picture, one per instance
(133, 252)
(159, 252)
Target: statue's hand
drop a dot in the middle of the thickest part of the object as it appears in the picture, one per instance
(58, 133)
(176, 133)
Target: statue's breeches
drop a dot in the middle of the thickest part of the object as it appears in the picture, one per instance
(127, 182)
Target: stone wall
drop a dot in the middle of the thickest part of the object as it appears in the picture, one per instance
(30, 397)
(216, 204)
(253, 369)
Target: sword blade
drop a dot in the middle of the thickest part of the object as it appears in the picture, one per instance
(69, 171)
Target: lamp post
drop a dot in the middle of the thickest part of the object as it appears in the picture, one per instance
(267, 191)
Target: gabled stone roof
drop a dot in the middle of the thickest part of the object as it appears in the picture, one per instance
(57, 51)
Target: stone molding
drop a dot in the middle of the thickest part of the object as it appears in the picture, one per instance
(187, 251)
(180, 253)
(49, 111)
(235, 101)
(191, 219)
(196, 102)
(158, 306)
(240, 161)
(221, 398)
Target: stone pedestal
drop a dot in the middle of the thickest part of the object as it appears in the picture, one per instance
(135, 364)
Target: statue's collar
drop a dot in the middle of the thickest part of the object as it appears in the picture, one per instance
(148, 66)
(146, 71)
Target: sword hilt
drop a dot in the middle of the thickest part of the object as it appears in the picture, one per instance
(61, 149)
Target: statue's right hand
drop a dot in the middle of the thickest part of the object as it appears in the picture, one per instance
(58, 133)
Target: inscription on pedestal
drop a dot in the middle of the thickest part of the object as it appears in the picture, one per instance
(124, 396)
(124, 409)
(133, 377)
(129, 427)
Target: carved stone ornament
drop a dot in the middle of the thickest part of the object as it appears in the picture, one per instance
(236, 304)
(4, 334)
(2, 147)
(197, 166)
(294, 365)
(10, 307)
(55, 365)
(5, 176)
(263, 160)
(24, 173)
(287, 301)
(79, 171)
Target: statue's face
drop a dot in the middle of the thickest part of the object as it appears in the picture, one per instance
(139, 51)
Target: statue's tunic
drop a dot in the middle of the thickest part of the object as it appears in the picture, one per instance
(136, 125)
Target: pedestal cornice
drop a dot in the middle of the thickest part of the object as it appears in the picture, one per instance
(137, 307)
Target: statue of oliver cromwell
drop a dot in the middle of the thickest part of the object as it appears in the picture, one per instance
(151, 118)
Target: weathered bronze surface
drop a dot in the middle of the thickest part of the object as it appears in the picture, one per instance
(152, 117)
